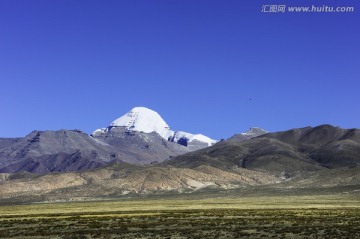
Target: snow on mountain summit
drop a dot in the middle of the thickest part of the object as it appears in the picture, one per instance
(178, 135)
(141, 119)
(145, 120)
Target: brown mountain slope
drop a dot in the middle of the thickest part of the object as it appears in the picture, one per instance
(121, 179)
(326, 178)
(331, 147)
(286, 153)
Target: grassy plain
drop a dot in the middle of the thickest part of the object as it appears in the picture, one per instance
(321, 216)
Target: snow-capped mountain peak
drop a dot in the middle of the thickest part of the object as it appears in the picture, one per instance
(145, 120)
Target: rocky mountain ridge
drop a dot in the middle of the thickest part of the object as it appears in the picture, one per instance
(310, 157)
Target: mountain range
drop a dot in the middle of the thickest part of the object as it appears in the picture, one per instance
(138, 154)
(140, 136)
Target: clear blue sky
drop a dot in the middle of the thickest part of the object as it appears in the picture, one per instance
(81, 64)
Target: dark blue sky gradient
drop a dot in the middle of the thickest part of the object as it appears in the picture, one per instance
(81, 64)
